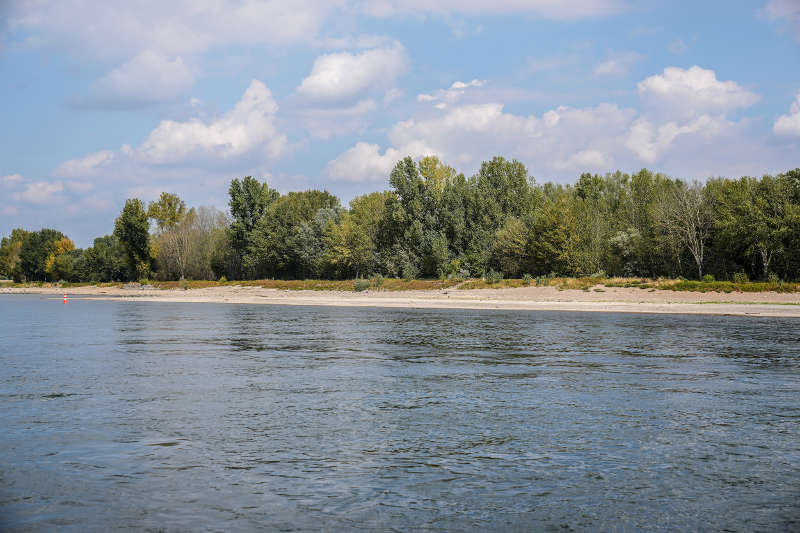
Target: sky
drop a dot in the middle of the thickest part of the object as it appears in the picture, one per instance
(103, 101)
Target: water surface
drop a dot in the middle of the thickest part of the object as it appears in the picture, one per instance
(200, 417)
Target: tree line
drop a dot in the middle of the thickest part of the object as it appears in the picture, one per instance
(436, 222)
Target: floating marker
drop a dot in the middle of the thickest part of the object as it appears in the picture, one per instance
(65, 298)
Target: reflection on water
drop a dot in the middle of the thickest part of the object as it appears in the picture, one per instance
(233, 417)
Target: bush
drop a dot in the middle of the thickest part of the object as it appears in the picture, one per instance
(376, 280)
(740, 277)
(361, 285)
(494, 277)
(708, 278)
(526, 279)
(223, 279)
(599, 274)
(183, 283)
(774, 278)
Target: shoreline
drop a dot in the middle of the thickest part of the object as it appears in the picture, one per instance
(610, 300)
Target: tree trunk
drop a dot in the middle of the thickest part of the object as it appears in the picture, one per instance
(766, 257)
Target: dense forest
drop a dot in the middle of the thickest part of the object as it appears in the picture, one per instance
(435, 222)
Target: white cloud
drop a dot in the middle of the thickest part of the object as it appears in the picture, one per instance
(548, 9)
(789, 125)
(445, 97)
(565, 140)
(40, 193)
(617, 64)
(650, 141)
(150, 77)
(248, 127)
(787, 11)
(473, 83)
(342, 75)
(561, 139)
(84, 166)
(363, 162)
(174, 28)
(693, 91)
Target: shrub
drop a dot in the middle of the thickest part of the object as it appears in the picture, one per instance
(740, 277)
(493, 277)
(376, 280)
(183, 283)
(774, 278)
(599, 274)
(361, 285)
(708, 278)
(223, 279)
(526, 279)
(542, 281)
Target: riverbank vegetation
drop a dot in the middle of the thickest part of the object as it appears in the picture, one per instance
(495, 228)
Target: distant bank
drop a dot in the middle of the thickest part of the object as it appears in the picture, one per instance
(592, 298)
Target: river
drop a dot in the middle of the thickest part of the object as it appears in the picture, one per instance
(118, 415)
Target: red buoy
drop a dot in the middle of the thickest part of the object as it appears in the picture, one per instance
(65, 298)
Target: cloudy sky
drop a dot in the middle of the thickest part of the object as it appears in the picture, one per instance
(102, 101)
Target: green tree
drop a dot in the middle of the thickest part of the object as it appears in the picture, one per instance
(34, 253)
(167, 211)
(133, 231)
(9, 251)
(510, 247)
(249, 201)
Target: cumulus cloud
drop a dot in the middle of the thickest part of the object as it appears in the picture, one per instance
(649, 141)
(789, 125)
(148, 78)
(363, 162)
(617, 64)
(342, 75)
(248, 127)
(85, 166)
(567, 139)
(693, 91)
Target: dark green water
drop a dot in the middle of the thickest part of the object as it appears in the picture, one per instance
(195, 417)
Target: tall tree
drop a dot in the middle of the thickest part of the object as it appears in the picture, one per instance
(687, 211)
(249, 201)
(133, 231)
(9, 251)
(167, 211)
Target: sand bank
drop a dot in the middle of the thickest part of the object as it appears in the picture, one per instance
(619, 300)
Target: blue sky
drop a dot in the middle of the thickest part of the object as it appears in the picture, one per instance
(102, 101)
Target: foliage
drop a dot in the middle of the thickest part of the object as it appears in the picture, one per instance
(708, 277)
(133, 232)
(361, 285)
(493, 277)
(437, 223)
(167, 211)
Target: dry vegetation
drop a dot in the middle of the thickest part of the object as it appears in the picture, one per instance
(596, 284)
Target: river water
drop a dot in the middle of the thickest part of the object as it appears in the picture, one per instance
(200, 417)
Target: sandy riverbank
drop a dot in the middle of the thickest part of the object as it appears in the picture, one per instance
(624, 300)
